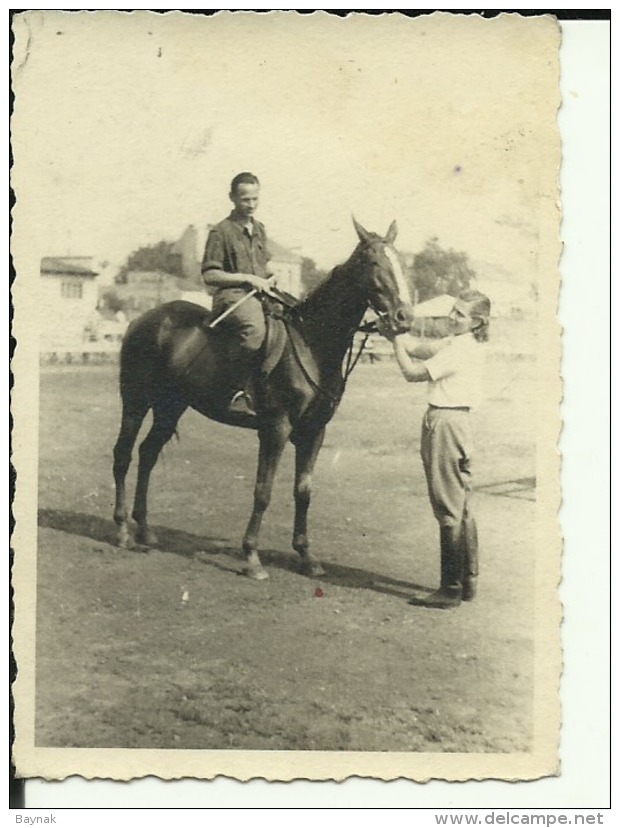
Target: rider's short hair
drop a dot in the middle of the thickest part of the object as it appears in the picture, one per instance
(243, 178)
(480, 309)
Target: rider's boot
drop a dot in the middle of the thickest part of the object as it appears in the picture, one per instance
(240, 365)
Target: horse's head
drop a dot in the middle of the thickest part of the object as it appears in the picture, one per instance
(385, 284)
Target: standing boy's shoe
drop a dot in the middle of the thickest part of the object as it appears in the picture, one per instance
(446, 597)
(469, 539)
(450, 593)
(470, 587)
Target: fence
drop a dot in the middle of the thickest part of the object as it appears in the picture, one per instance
(88, 353)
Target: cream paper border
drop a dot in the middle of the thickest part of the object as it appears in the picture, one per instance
(275, 765)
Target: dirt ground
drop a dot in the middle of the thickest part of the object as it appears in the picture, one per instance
(123, 662)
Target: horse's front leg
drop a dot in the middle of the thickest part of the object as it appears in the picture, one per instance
(272, 441)
(306, 452)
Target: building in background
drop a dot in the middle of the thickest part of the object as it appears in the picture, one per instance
(198, 297)
(287, 267)
(147, 289)
(67, 301)
(430, 318)
(187, 247)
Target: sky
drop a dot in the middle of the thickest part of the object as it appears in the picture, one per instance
(127, 128)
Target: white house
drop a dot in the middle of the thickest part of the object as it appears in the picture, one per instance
(430, 318)
(435, 308)
(67, 301)
(286, 265)
(198, 297)
(146, 289)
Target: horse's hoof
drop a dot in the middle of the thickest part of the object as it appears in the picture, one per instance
(256, 573)
(146, 537)
(314, 570)
(124, 539)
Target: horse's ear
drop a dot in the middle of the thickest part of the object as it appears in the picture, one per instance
(392, 233)
(363, 234)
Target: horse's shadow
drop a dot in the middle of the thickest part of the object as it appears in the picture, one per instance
(216, 552)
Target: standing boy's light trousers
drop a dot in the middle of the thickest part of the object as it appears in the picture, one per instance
(446, 448)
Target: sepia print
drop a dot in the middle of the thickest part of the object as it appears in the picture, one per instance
(287, 395)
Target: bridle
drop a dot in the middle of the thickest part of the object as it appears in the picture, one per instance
(351, 361)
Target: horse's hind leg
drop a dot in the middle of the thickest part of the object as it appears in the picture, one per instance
(166, 414)
(135, 407)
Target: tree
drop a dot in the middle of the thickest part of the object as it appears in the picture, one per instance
(436, 271)
(112, 301)
(161, 257)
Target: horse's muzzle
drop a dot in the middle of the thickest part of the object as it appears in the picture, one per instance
(401, 319)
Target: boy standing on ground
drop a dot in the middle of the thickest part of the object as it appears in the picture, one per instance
(235, 262)
(453, 367)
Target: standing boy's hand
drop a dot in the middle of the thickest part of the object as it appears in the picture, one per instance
(383, 327)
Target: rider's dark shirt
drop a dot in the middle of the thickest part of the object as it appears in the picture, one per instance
(232, 249)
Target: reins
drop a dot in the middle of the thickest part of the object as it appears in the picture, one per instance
(351, 362)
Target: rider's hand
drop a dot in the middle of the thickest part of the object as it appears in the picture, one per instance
(260, 284)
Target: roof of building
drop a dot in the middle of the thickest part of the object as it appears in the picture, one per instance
(67, 265)
(436, 307)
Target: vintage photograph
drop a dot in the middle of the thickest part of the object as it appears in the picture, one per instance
(287, 395)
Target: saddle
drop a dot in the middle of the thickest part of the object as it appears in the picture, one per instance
(276, 311)
(273, 345)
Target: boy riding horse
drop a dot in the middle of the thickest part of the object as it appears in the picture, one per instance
(235, 263)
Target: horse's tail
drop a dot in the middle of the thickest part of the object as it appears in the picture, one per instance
(141, 359)
(125, 359)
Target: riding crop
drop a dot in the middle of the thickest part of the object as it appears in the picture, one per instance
(234, 307)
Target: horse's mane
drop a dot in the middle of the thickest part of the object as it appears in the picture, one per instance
(323, 292)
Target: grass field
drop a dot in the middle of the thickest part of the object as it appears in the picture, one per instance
(122, 662)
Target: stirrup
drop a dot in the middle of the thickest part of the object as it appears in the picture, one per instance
(241, 403)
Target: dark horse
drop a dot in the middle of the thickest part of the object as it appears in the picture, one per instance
(170, 360)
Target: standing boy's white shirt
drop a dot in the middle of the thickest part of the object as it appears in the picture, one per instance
(457, 372)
